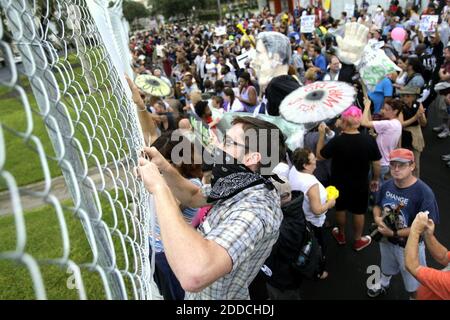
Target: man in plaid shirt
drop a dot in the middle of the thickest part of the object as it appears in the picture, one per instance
(221, 259)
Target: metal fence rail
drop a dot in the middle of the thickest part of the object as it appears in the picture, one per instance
(65, 111)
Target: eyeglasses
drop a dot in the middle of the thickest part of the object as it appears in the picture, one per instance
(228, 142)
(399, 165)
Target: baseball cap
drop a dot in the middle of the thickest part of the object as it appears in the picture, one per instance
(401, 155)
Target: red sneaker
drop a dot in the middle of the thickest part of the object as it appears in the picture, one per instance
(362, 243)
(339, 237)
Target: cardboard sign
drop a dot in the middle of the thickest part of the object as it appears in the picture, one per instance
(307, 24)
(428, 23)
(242, 59)
(350, 9)
(221, 31)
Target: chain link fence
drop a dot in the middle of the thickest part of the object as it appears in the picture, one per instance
(74, 221)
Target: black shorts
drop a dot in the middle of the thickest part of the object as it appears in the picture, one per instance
(354, 200)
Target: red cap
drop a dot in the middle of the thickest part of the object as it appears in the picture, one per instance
(401, 155)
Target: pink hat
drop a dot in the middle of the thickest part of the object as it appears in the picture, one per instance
(352, 112)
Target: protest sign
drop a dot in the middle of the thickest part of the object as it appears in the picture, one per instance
(428, 23)
(242, 59)
(307, 24)
(350, 9)
(375, 65)
(221, 31)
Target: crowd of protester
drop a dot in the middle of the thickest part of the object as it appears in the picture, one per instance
(244, 238)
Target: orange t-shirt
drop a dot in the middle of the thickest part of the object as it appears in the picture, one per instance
(435, 284)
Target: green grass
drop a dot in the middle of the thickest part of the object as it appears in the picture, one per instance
(100, 114)
(22, 161)
(44, 242)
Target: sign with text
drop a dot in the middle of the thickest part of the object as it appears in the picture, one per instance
(428, 23)
(307, 24)
(242, 59)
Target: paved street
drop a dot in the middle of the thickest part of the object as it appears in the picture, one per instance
(347, 268)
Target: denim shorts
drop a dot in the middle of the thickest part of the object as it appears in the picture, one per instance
(393, 262)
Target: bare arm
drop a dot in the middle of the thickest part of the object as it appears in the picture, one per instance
(420, 36)
(187, 193)
(421, 116)
(412, 253)
(376, 170)
(196, 262)
(252, 98)
(374, 184)
(314, 199)
(437, 250)
(366, 118)
(145, 118)
(320, 143)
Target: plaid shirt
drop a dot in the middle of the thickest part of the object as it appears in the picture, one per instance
(247, 226)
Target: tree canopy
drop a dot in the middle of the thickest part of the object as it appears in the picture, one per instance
(170, 8)
(134, 10)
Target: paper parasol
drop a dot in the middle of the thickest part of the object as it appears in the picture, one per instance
(317, 102)
(152, 85)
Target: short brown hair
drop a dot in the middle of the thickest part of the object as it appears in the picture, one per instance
(300, 158)
(264, 131)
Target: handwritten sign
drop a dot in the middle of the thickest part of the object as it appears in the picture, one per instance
(374, 66)
(428, 23)
(307, 24)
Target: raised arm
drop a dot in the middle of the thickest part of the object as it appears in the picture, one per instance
(196, 261)
(366, 118)
(321, 142)
(187, 193)
(145, 118)
(437, 250)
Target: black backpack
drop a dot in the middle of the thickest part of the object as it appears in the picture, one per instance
(308, 261)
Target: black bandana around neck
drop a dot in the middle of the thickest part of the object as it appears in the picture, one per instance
(229, 177)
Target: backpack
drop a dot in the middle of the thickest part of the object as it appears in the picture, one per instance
(308, 261)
